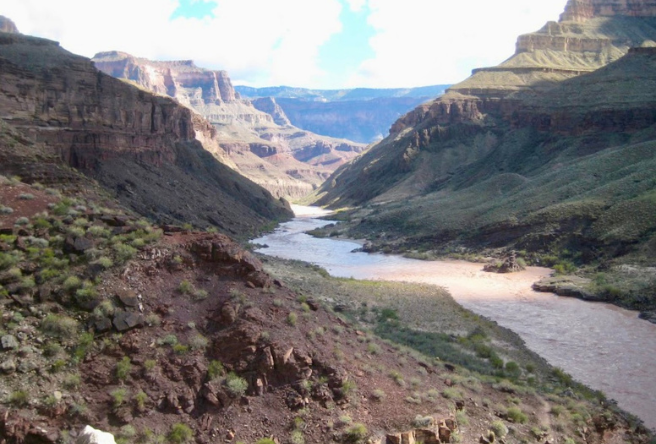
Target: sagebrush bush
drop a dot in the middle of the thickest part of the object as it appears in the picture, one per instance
(236, 385)
(179, 434)
(516, 415)
(59, 326)
(123, 368)
(499, 428)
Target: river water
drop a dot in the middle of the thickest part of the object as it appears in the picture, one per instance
(600, 345)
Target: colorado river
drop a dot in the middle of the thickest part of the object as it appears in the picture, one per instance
(605, 347)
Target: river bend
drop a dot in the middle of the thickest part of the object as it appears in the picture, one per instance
(603, 346)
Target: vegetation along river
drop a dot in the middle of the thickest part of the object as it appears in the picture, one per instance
(603, 346)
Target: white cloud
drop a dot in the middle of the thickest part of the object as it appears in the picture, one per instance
(265, 42)
(423, 43)
(356, 5)
(260, 41)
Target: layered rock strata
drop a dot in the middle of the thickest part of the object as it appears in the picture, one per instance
(271, 152)
(135, 142)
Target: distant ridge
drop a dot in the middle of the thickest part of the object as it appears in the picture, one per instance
(335, 95)
(361, 114)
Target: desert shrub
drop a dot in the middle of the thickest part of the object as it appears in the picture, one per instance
(512, 368)
(461, 417)
(86, 294)
(499, 428)
(179, 434)
(105, 262)
(356, 433)
(451, 393)
(297, 437)
(186, 287)
(72, 283)
(149, 364)
(236, 385)
(26, 196)
(214, 370)
(123, 368)
(168, 340)
(22, 221)
(140, 399)
(127, 431)
(198, 342)
(200, 294)
(124, 252)
(52, 349)
(265, 441)
(180, 349)
(515, 414)
(348, 387)
(153, 320)
(557, 410)
(19, 398)
(59, 326)
(27, 283)
(72, 381)
(373, 348)
(119, 396)
(292, 318)
(5, 210)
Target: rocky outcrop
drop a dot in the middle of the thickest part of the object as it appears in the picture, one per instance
(518, 156)
(123, 136)
(6, 25)
(270, 106)
(362, 114)
(272, 145)
(582, 10)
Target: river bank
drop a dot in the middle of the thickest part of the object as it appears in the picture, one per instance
(598, 344)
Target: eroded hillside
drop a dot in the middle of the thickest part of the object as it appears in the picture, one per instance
(287, 161)
(166, 335)
(555, 163)
(140, 146)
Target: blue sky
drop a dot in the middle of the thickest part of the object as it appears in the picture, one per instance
(305, 43)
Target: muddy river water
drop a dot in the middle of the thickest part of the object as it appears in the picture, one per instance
(605, 347)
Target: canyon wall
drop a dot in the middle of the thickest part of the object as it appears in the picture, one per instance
(261, 144)
(132, 141)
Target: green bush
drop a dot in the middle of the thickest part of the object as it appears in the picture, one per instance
(118, 396)
(356, 433)
(186, 287)
(124, 252)
(19, 398)
(140, 399)
(168, 340)
(180, 349)
(499, 428)
(59, 326)
(198, 342)
(516, 415)
(236, 385)
(72, 283)
(292, 319)
(214, 370)
(123, 368)
(265, 441)
(179, 434)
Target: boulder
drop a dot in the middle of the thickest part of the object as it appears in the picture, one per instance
(126, 320)
(9, 342)
(127, 297)
(90, 435)
(77, 245)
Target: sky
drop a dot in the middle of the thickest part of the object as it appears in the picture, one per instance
(323, 44)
